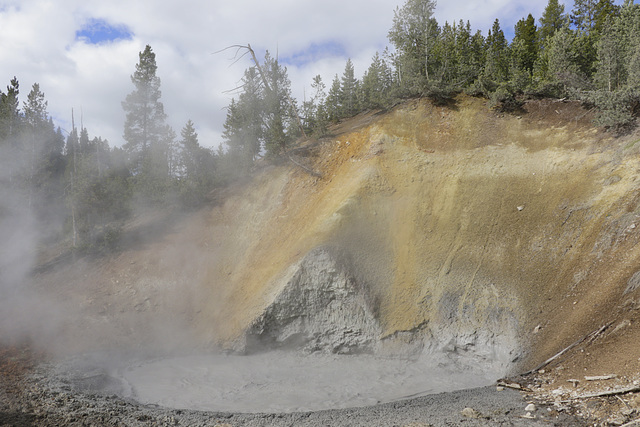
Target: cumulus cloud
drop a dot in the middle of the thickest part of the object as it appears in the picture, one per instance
(82, 52)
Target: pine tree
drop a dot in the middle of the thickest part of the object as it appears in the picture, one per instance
(610, 67)
(333, 101)
(36, 120)
(278, 114)
(315, 110)
(9, 112)
(145, 118)
(348, 89)
(563, 60)
(147, 136)
(469, 53)
(10, 122)
(194, 170)
(497, 59)
(375, 85)
(553, 19)
(633, 79)
(244, 125)
(583, 15)
(628, 27)
(605, 12)
(189, 150)
(526, 40)
(445, 55)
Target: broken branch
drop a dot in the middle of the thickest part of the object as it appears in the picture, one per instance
(631, 389)
(310, 171)
(591, 336)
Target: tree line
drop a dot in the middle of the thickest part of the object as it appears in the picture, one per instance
(591, 54)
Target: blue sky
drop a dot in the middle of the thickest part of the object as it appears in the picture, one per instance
(83, 52)
(97, 30)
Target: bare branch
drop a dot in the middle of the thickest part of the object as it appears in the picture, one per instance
(234, 89)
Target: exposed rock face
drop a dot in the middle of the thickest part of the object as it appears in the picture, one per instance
(322, 308)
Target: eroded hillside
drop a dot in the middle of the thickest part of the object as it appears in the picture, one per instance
(441, 229)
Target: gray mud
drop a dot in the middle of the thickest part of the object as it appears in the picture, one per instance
(55, 396)
(279, 381)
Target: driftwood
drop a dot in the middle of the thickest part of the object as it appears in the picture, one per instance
(600, 377)
(624, 390)
(512, 385)
(589, 337)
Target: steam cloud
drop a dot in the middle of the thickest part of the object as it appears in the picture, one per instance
(25, 316)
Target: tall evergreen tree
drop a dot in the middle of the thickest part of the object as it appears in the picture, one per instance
(469, 52)
(9, 112)
(147, 136)
(563, 60)
(375, 85)
(244, 125)
(610, 67)
(35, 130)
(605, 12)
(195, 171)
(583, 15)
(189, 150)
(10, 121)
(278, 114)
(333, 100)
(145, 118)
(526, 44)
(497, 59)
(98, 192)
(553, 18)
(314, 110)
(445, 54)
(348, 91)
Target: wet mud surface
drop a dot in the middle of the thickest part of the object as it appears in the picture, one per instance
(47, 394)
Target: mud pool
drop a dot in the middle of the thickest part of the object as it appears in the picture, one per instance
(278, 382)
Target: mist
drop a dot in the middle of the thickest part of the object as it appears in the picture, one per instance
(26, 316)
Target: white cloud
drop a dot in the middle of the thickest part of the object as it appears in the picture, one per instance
(39, 44)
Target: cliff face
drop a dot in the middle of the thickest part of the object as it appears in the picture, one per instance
(444, 230)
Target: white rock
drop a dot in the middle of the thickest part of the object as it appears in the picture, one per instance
(530, 407)
(470, 413)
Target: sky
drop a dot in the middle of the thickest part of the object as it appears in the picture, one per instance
(83, 52)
